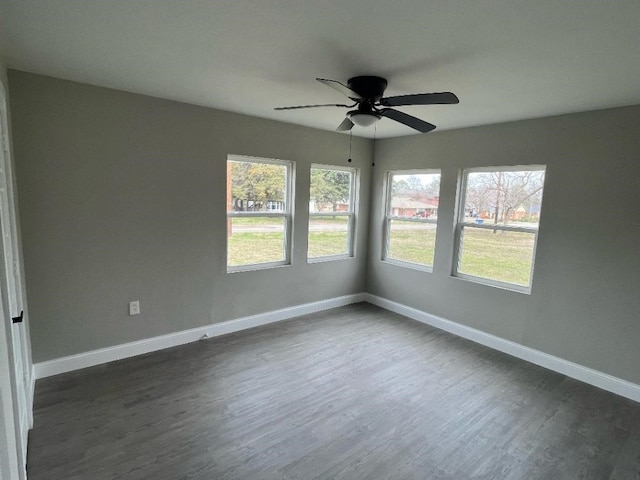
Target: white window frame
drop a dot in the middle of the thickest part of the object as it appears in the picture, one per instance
(461, 223)
(388, 218)
(350, 214)
(287, 214)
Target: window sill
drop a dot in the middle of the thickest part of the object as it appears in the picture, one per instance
(329, 258)
(511, 287)
(413, 266)
(257, 266)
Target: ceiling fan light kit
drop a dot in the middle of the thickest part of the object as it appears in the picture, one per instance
(363, 119)
(367, 92)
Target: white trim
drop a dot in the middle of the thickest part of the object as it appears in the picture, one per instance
(414, 220)
(118, 352)
(423, 267)
(11, 293)
(24, 426)
(31, 394)
(233, 157)
(337, 168)
(251, 267)
(565, 367)
(330, 214)
(499, 226)
(329, 258)
(258, 214)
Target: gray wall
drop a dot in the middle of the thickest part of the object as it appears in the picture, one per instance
(585, 301)
(123, 198)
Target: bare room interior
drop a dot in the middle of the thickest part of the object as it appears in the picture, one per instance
(276, 240)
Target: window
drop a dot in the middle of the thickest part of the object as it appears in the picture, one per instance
(332, 199)
(259, 212)
(497, 226)
(411, 217)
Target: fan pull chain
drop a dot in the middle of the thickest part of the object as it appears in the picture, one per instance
(350, 137)
(375, 131)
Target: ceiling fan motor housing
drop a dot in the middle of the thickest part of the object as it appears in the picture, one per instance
(368, 87)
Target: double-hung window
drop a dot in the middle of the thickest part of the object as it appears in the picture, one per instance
(259, 212)
(411, 216)
(497, 227)
(332, 207)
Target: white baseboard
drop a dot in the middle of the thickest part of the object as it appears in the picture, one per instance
(570, 369)
(118, 352)
(24, 428)
(31, 394)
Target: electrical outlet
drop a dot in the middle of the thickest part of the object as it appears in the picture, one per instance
(134, 308)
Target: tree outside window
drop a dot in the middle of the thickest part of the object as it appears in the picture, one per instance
(332, 207)
(497, 225)
(259, 212)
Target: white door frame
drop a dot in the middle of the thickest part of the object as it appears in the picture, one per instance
(9, 458)
(15, 337)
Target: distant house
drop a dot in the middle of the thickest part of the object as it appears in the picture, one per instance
(327, 207)
(243, 205)
(529, 213)
(518, 214)
(410, 207)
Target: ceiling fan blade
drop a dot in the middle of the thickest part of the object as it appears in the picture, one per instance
(345, 126)
(446, 98)
(343, 89)
(407, 120)
(313, 106)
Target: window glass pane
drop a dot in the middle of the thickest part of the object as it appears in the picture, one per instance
(412, 242)
(415, 195)
(497, 255)
(257, 187)
(504, 197)
(254, 240)
(328, 236)
(330, 191)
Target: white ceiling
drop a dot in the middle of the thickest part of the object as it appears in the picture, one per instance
(505, 59)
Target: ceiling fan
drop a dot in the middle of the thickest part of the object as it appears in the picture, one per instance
(370, 106)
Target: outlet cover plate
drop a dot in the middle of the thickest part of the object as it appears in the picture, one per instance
(134, 307)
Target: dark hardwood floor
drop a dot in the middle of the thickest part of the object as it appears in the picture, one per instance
(353, 393)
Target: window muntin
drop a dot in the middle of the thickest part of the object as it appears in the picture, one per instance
(497, 226)
(332, 207)
(413, 199)
(259, 213)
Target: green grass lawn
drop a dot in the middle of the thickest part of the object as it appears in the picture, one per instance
(328, 236)
(412, 242)
(256, 240)
(501, 256)
(323, 244)
(254, 247)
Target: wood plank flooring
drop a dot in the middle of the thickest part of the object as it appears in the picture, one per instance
(351, 393)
